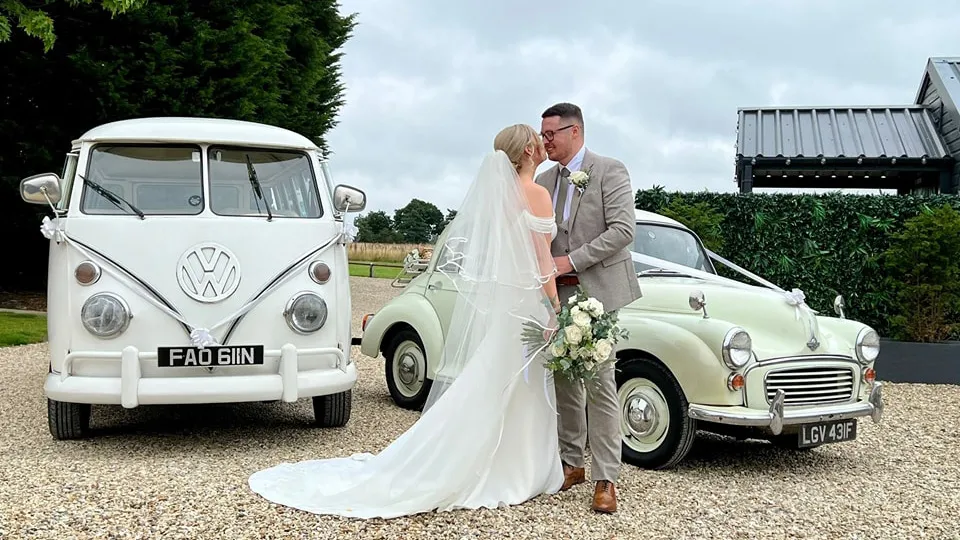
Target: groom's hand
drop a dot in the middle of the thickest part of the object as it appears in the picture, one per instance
(563, 265)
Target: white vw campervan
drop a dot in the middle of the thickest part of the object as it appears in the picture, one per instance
(195, 260)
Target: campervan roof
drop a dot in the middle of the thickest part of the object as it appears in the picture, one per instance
(196, 130)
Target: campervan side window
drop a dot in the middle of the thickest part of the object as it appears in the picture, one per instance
(284, 178)
(155, 179)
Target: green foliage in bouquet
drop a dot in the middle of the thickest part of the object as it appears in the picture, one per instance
(583, 342)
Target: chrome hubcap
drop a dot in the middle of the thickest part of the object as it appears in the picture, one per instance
(409, 367)
(644, 416)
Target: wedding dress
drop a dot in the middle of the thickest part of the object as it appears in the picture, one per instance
(488, 433)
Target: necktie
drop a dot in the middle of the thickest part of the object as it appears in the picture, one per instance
(562, 194)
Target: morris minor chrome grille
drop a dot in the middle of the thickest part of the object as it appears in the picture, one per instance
(810, 385)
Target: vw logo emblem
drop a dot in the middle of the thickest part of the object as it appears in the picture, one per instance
(208, 272)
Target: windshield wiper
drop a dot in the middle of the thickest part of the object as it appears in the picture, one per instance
(255, 184)
(111, 196)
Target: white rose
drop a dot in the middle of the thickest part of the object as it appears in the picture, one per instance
(557, 350)
(588, 365)
(602, 349)
(572, 300)
(595, 307)
(573, 334)
(581, 319)
(578, 177)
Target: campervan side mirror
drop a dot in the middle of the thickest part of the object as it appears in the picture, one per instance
(33, 188)
(348, 199)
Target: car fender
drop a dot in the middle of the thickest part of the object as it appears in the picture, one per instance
(697, 368)
(410, 310)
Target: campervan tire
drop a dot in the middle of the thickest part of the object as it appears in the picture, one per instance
(333, 410)
(68, 420)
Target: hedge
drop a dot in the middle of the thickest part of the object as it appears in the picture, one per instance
(824, 244)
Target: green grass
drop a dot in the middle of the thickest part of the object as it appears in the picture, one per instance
(363, 270)
(22, 329)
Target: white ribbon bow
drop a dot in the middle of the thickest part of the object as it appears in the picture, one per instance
(201, 337)
(50, 229)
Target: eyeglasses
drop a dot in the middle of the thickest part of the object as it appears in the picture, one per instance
(549, 135)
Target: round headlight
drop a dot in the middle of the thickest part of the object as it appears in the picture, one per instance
(737, 348)
(105, 315)
(305, 312)
(868, 345)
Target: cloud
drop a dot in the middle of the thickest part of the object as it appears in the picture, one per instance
(429, 83)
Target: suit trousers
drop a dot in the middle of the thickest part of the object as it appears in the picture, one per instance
(603, 430)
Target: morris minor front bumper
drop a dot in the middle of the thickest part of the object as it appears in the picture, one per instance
(776, 417)
(130, 389)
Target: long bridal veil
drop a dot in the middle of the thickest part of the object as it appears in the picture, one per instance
(477, 443)
(498, 266)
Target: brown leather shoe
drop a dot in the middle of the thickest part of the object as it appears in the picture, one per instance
(605, 497)
(572, 476)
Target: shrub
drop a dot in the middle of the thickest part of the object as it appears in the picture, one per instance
(923, 265)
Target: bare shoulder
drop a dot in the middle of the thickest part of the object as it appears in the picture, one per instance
(541, 204)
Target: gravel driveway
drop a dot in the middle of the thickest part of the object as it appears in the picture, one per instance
(181, 472)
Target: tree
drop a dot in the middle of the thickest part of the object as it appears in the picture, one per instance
(36, 23)
(376, 227)
(274, 62)
(418, 221)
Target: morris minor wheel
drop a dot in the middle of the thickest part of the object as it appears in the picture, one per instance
(68, 420)
(333, 410)
(405, 369)
(655, 429)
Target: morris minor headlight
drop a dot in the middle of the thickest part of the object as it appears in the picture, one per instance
(305, 312)
(737, 348)
(105, 315)
(868, 345)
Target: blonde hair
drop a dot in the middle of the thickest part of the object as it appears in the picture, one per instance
(514, 141)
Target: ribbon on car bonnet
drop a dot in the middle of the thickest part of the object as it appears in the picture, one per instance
(795, 297)
(199, 336)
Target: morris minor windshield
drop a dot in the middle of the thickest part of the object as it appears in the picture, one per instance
(155, 179)
(670, 244)
(262, 183)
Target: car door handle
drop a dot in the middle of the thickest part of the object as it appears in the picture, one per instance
(434, 286)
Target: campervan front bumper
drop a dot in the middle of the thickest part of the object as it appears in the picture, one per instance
(131, 389)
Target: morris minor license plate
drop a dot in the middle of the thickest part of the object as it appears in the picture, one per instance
(232, 355)
(827, 433)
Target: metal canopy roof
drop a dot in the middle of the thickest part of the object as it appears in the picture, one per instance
(831, 132)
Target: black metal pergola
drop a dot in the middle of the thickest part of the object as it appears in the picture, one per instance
(890, 147)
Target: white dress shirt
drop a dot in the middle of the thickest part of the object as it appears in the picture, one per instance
(572, 166)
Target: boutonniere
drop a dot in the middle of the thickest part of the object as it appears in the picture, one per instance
(581, 179)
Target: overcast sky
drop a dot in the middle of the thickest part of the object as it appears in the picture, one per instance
(430, 82)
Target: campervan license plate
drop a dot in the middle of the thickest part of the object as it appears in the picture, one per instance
(827, 432)
(232, 355)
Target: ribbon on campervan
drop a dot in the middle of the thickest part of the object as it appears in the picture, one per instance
(199, 336)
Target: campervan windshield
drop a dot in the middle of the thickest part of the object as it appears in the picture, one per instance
(168, 180)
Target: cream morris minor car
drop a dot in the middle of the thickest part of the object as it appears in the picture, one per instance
(195, 261)
(704, 352)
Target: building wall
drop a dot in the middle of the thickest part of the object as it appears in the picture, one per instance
(940, 91)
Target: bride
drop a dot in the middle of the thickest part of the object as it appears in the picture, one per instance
(488, 433)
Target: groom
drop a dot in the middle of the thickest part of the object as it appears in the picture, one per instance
(595, 233)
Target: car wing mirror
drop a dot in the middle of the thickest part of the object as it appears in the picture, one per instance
(38, 188)
(348, 199)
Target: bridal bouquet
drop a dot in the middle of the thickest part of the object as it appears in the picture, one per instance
(583, 341)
